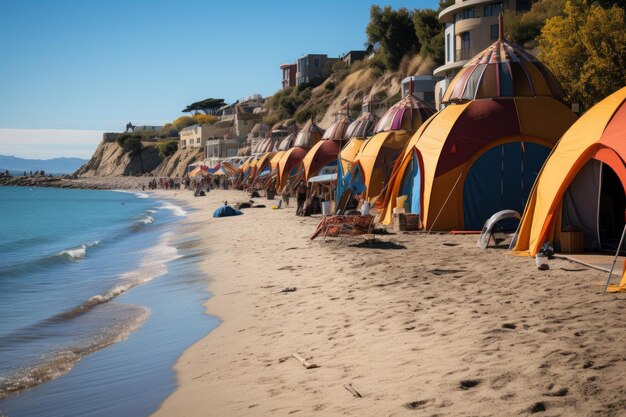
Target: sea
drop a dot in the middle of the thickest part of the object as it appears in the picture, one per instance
(100, 293)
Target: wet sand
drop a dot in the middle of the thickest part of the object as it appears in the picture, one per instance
(418, 325)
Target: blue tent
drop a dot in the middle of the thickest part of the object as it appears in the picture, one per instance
(226, 211)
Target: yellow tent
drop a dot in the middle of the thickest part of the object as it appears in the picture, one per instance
(275, 159)
(349, 152)
(376, 158)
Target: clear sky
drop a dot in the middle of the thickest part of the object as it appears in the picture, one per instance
(95, 65)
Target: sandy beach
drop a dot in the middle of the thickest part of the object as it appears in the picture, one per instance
(418, 325)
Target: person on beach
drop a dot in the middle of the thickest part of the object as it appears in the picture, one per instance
(286, 195)
(301, 198)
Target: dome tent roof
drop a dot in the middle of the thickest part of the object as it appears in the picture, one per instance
(309, 135)
(407, 114)
(502, 70)
(362, 127)
(337, 131)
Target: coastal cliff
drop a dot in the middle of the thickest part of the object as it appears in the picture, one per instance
(109, 159)
(176, 164)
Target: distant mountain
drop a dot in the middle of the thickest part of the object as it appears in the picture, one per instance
(49, 166)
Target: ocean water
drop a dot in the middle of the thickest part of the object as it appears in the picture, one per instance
(99, 294)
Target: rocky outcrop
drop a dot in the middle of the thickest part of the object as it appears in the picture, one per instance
(109, 159)
(176, 164)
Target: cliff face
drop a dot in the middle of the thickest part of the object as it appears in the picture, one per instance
(176, 164)
(110, 160)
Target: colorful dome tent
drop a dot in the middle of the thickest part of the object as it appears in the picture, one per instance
(375, 160)
(290, 163)
(481, 154)
(581, 186)
(326, 150)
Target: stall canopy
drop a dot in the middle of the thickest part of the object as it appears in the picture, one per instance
(581, 187)
(199, 171)
(482, 153)
(323, 178)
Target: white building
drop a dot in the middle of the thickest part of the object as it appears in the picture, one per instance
(194, 136)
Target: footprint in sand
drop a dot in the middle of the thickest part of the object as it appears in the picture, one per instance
(414, 405)
(538, 407)
(469, 383)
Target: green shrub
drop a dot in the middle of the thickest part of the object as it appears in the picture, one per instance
(167, 148)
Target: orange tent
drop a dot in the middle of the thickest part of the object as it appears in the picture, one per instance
(581, 186)
(292, 158)
(326, 150)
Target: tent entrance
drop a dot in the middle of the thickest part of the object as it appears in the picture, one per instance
(612, 209)
(411, 186)
(501, 179)
(595, 203)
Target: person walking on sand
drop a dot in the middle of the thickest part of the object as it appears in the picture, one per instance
(301, 198)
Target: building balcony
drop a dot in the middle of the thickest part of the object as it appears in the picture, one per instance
(447, 14)
(450, 67)
(462, 54)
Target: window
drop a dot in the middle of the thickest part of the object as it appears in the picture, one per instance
(465, 14)
(493, 9)
(448, 46)
(464, 52)
(494, 32)
(316, 63)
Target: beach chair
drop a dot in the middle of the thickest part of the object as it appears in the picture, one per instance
(344, 227)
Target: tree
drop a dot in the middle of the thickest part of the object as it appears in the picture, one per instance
(525, 27)
(183, 122)
(168, 130)
(204, 119)
(445, 4)
(586, 50)
(393, 30)
(430, 34)
(206, 105)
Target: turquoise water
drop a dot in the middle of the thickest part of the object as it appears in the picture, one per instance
(99, 294)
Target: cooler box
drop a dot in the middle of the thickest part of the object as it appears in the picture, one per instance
(406, 222)
(572, 242)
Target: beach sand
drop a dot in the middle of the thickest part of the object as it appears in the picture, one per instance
(418, 325)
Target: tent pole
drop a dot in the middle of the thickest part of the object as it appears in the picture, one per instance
(445, 202)
(615, 259)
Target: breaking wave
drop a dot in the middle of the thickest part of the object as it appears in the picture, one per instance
(74, 254)
(176, 210)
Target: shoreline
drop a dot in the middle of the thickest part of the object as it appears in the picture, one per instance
(161, 274)
(427, 323)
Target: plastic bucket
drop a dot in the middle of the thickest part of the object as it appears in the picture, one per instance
(541, 261)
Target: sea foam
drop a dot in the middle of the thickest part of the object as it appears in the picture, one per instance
(74, 254)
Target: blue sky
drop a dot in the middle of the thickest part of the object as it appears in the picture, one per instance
(95, 65)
